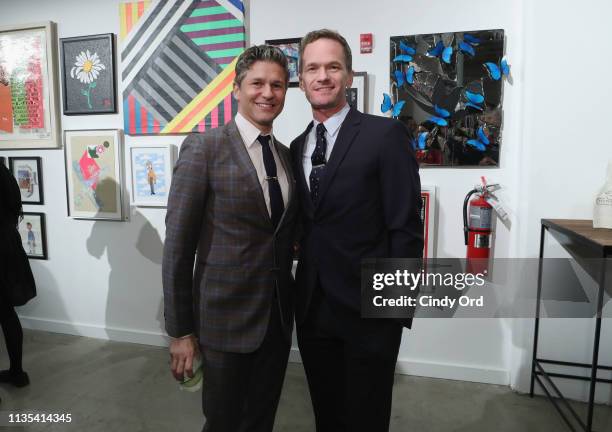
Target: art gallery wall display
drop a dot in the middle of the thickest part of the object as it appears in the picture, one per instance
(291, 49)
(448, 89)
(178, 60)
(28, 87)
(94, 174)
(151, 168)
(356, 95)
(88, 74)
(428, 217)
(33, 235)
(28, 173)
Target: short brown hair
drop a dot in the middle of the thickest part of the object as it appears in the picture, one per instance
(257, 53)
(327, 34)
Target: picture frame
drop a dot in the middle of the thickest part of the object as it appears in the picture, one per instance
(89, 83)
(94, 174)
(28, 173)
(356, 95)
(291, 48)
(32, 231)
(151, 174)
(428, 217)
(29, 106)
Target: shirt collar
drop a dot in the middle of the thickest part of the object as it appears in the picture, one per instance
(248, 131)
(332, 124)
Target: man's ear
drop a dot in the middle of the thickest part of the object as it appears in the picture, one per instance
(301, 82)
(236, 91)
(349, 82)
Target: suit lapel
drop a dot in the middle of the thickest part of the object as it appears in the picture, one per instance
(309, 207)
(286, 163)
(346, 136)
(243, 159)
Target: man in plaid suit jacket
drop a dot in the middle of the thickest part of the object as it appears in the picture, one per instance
(228, 289)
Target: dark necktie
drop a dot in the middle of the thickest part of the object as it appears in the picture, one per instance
(276, 197)
(318, 162)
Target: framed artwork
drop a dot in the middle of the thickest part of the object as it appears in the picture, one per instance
(88, 74)
(94, 174)
(28, 87)
(151, 168)
(356, 95)
(28, 173)
(33, 235)
(291, 49)
(428, 217)
(448, 90)
(178, 62)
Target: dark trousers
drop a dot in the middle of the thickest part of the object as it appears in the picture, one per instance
(13, 334)
(241, 391)
(350, 365)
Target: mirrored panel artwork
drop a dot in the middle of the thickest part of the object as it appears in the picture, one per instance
(448, 89)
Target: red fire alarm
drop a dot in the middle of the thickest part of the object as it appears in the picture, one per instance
(365, 43)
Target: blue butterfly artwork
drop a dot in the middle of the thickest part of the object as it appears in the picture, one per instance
(441, 51)
(471, 39)
(466, 48)
(497, 71)
(441, 116)
(420, 142)
(407, 53)
(474, 100)
(387, 106)
(481, 140)
(401, 78)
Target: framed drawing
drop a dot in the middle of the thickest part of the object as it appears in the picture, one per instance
(428, 217)
(28, 173)
(151, 168)
(291, 49)
(88, 74)
(28, 87)
(94, 174)
(33, 235)
(356, 95)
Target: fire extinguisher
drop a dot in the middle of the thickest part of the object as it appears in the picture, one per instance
(477, 226)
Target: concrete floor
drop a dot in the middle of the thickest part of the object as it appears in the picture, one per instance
(112, 386)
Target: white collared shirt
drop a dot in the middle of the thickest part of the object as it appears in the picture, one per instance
(249, 134)
(332, 126)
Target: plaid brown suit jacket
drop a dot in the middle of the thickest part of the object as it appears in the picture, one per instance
(224, 263)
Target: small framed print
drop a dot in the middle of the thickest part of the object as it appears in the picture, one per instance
(291, 49)
(428, 217)
(88, 74)
(94, 174)
(151, 168)
(28, 173)
(356, 95)
(33, 235)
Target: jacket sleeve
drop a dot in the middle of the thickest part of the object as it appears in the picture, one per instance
(184, 219)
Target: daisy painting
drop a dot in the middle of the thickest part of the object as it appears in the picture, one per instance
(88, 80)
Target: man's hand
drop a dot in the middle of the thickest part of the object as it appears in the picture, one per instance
(182, 353)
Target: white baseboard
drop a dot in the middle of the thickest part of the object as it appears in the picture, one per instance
(404, 366)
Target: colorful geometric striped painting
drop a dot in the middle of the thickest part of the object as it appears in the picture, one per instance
(178, 62)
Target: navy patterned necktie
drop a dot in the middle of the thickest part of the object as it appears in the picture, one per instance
(277, 205)
(318, 162)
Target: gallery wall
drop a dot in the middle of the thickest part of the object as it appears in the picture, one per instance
(103, 279)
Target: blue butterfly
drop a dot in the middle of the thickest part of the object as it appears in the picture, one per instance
(420, 141)
(474, 100)
(471, 39)
(388, 105)
(440, 118)
(407, 54)
(402, 78)
(466, 48)
(481, 140)
(410, 50)
(445, 53)
(496, 71)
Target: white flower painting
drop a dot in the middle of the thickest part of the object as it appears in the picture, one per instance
(86, 69)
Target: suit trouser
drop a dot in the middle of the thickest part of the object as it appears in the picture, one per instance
(350, 365)
(241, 391)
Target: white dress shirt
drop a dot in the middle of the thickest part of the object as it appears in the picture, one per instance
(332, 126)
(249, 134)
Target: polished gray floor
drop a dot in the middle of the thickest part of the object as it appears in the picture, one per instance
(112, 386)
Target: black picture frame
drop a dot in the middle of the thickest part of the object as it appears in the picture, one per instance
(29, 179)
(291, 48)
(78, 83)
(39, 219)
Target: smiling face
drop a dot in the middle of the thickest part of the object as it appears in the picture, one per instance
(324, 76)
(261, 94)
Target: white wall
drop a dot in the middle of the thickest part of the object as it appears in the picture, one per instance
(103, 278)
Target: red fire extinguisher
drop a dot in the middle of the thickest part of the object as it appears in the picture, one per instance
(477, 228)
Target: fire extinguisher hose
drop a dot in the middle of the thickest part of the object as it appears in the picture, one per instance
(465, 219)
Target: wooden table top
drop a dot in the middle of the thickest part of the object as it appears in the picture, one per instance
(582, 228)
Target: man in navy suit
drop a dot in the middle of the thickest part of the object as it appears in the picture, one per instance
(359, 189)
